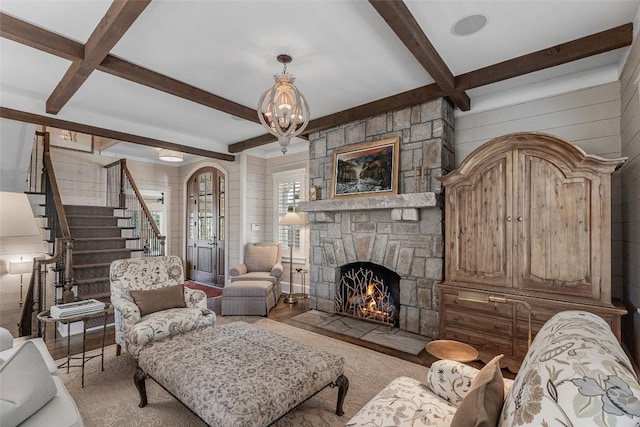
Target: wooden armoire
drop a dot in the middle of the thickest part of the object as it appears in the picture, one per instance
(527, 217)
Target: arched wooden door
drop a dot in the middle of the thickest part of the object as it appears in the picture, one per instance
(205, 226)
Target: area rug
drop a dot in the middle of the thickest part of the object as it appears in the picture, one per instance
(211, 291)
(110, 398)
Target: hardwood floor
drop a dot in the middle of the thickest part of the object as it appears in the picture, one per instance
(280, 313)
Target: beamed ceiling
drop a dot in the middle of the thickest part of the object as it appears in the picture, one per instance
(187, 75)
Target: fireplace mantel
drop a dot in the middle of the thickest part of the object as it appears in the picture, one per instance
(411, 200)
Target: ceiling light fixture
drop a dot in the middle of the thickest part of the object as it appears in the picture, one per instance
(282, 109)
(469, 25)
(170, 155)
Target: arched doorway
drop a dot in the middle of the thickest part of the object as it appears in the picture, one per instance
(205, 226)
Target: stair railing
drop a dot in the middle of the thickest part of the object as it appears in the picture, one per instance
(35, 177)
(123, 193)
(36, 298)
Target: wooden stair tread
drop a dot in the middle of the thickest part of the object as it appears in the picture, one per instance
(100, 264)
(98, 295)
(92, 280)
(97, 216)
(102, 239)
(105, 227)
(102, 251)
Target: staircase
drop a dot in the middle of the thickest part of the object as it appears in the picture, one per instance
(97, 240)
(85, 239)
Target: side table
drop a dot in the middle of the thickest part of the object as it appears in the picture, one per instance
(45, 316)
(303, 274)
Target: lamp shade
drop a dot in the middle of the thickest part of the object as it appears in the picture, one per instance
(291, 218)
(20, 267)
(16, 216)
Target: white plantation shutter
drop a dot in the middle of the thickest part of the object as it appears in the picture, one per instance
(288, 190)
(288, 195)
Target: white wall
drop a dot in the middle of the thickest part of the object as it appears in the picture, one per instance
(16, 140)
(256, 210)
(590, 118)
(630, 179)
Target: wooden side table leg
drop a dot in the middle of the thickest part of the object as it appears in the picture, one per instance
(84, 347)
(104, 334)
(343, 386)
(139, 379)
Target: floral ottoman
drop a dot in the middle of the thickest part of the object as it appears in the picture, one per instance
(239, 374)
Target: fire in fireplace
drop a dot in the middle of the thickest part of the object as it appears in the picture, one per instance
(370, 292)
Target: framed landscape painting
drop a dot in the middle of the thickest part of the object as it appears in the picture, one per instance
(367, 169)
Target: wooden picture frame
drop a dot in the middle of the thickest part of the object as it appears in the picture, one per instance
(367, 169)
(71, 141)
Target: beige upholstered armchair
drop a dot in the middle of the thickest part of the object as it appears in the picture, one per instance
(262, 261)
(150, 302)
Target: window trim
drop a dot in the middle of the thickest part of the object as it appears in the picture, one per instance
(300, 175)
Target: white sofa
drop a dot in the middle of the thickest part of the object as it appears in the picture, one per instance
(31, 393)
(575, 374)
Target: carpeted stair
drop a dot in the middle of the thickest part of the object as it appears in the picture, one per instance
(97, 241)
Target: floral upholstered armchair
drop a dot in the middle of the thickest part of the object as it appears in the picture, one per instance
(575, 374)
(262, 261)
(150, 302)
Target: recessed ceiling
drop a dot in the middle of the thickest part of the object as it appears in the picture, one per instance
(344, 55)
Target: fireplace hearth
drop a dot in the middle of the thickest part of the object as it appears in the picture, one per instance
(369, 292)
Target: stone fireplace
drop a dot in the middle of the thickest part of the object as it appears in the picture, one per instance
(401, 233)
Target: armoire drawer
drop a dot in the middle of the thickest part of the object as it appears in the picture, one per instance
(474, 320)
(451, 301)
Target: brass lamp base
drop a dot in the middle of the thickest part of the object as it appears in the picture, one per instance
(290, 299)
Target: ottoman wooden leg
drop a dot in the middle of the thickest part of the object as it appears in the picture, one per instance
(139, 378)
(343, 386)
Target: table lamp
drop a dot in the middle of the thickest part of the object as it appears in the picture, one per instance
(291, 219)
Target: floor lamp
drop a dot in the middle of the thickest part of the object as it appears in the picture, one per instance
(487, 298)
(291, 219)
(21, 267)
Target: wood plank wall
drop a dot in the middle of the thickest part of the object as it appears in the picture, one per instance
(590, 118)
(258, 200)
(630, 173)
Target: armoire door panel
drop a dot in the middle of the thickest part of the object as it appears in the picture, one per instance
(482, 227)
(555, 229)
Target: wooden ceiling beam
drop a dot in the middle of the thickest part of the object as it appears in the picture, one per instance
(115, 23)
(22, 116)
(584, 47)
(134, 73)
(398, 17)
(38, 38)
(394, 102)
(594, 44)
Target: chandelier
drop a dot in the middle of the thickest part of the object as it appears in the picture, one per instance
(282, 109)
